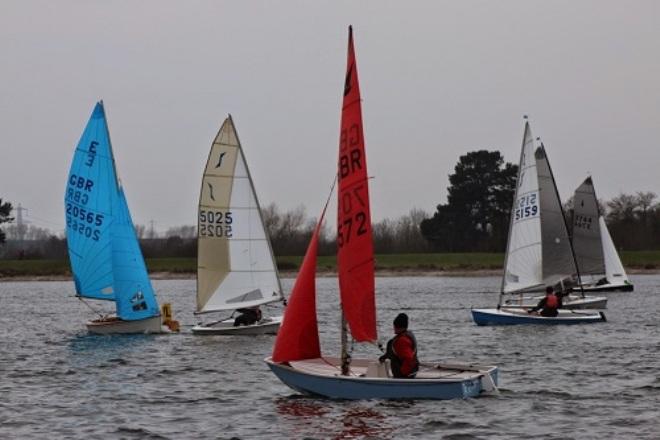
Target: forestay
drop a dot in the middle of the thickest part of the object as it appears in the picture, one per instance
(235, 263)
(587, 241)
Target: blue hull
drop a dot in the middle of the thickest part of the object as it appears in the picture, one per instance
(499, 317)
(358, 388)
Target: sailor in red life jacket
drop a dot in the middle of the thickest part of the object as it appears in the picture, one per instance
(549, 304)
(402, 350)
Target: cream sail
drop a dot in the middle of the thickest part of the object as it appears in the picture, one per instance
(235, 263)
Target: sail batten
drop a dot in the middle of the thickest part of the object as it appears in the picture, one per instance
(234, 254)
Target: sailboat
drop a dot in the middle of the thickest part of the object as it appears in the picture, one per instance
(105, 256)
(296, 358)
(539, 251)
(597, 258)
(235, 264)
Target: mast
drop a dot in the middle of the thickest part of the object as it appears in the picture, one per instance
(345, 358)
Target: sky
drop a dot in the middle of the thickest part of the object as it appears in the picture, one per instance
(438, 79)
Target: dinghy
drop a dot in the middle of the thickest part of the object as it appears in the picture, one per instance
(539, 251)
(106, 261)
(296, 358)
(235, 264)
(599, 263)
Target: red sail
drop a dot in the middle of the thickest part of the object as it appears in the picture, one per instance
(298, 337)
(355, 254)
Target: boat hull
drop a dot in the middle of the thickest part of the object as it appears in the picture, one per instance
(573, 302)
(267, 326)
(609, 288)
(321, 377)
(518, 316)
(119, 326)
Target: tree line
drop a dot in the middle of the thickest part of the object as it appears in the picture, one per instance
(475, 218)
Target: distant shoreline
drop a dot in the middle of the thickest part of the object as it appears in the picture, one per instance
(291, 274)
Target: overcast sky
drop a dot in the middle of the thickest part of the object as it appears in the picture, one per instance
(438, 79)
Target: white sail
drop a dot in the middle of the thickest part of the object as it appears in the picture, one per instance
(235, 263)
(614, 270)
(523, 265)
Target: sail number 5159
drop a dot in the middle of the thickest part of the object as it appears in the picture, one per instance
(526, 206)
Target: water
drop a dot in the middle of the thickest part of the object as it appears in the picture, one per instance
(592, 381)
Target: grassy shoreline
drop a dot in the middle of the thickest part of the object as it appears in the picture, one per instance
(386, 264)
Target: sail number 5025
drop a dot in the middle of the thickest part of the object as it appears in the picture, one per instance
(215, 224)
(526, 206)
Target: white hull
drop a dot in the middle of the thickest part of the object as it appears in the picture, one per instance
(509, 316)
(267, 326)
(371, 380)
(118, 326)
(571, 302)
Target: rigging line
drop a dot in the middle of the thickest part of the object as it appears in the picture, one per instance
(90, 307)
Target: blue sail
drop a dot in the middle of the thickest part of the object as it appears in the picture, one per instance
(135, 295)
(91, 193)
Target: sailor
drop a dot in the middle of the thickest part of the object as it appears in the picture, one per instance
(402, 350)
(548, 305)
(248, 316)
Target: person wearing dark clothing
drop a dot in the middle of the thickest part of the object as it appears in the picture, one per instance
(402, 350)
(549, 305)
(248, 316)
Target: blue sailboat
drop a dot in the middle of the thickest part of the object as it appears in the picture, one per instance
(105, 256)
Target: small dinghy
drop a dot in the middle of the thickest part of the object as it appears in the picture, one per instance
(539, 249)
(104, 252)
(297, 359)
(600, 267)
(570, 302)
(506, 316)
(235, 263)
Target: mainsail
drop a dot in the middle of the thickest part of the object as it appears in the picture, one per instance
(235, 263)
(105, 256)
(523, 264)
(355, 258)
(91, 193)
(587, 230)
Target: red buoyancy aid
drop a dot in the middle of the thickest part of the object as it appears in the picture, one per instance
(551, 301)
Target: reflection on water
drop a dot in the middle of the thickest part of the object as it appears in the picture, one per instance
(329, 419)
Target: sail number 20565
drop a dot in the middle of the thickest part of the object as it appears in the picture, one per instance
(526, 206)
(215, 223)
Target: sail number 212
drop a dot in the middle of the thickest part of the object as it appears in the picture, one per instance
(526, 206)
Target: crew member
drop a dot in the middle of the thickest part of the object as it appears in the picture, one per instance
(402, 350)
(248, 316)
(549, 305)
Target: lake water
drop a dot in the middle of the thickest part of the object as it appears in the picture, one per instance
(591, 381)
